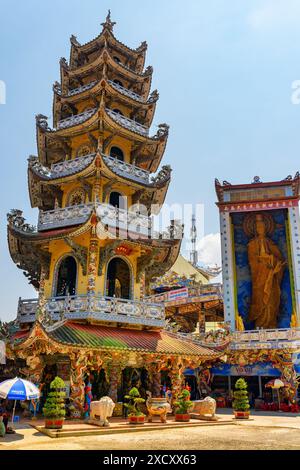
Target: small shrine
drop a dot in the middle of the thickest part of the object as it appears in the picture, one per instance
(259, 224)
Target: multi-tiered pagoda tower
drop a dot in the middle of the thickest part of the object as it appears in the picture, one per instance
(94, 252)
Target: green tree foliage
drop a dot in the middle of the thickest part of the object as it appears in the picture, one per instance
(241, 401)
(55, 403)
(183, 403)
(135, 400)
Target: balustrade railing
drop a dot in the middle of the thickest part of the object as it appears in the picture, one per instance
(69, 166)
(208, 290)
(286, 334)
(96, 307)
(76, 119)
(125, 91)
(128, 123)
(122, 219)
(127, 169)
(80, 89)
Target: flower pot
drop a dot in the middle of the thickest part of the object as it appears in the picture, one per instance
(241, 414)
(184, 418)
(54, 423)
(136, 419)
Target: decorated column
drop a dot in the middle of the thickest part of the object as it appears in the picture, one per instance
(115, 379)
(78, 368)
(177, 377)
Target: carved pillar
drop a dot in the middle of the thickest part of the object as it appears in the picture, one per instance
(92, 266)
(177, 378)
(156, 382)
(78, 368)
(115, 380)
(142, 285)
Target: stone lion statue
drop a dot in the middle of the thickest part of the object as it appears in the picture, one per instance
(101, 410)
(206, 407)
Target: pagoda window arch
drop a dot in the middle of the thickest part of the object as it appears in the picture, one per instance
(117, 200)
(118, 111)
(117, 59)
(119, 277)
(66, 277)
(116, 152)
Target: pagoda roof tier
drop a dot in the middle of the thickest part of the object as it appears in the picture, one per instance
(29, 248)
(106, 37)
(99, 67)
(51, 141)
(41, 180)
(142, 108)
(74, 335)
(260, 190)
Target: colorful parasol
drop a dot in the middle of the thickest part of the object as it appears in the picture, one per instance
(277, 384)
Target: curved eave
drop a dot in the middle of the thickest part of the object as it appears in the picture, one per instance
(72, 336)
(166, 259)
(91, 123)
(108, 35)
(159, 191)
(152, 163)
(44, 237)
(84, 170)
(103, 57)
(96, 90)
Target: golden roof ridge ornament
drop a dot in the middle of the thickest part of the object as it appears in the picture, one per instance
(108, 24)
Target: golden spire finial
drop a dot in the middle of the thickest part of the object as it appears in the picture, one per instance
(108, 23)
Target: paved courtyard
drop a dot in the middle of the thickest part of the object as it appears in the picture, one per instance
(267, 431)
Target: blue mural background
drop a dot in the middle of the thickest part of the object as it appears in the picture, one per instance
(243, 275)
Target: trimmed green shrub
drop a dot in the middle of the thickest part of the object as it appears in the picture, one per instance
(55, 403)
(135, 400)
(240, 395)
(183, 403)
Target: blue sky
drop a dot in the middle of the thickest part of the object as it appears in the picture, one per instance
(224, 70)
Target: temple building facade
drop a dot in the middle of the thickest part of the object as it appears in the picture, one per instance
(96, 181)
(260, 236)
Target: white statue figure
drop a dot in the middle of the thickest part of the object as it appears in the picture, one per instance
(103, 409)
(206, 407)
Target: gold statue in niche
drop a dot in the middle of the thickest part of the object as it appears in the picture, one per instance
(267, 267)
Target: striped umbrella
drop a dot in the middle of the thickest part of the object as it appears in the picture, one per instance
(18, 389)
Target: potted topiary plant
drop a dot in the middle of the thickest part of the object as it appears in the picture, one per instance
(240, 403)
(135, 415)
(54, 409)
(182, 406)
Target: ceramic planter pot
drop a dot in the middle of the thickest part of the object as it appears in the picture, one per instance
(184, 418)
(241, 414)
(136, 419)
(54, 423)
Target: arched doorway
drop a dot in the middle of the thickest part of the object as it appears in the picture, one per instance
(118, 280)
(116, 152)
(116, 200)
(135, 377)
(66, 278)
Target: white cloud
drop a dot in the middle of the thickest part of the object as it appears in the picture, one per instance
(275, 13)
(209, 250)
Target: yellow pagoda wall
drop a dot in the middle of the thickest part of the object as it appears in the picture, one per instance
(124, 144)
(59, 249)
